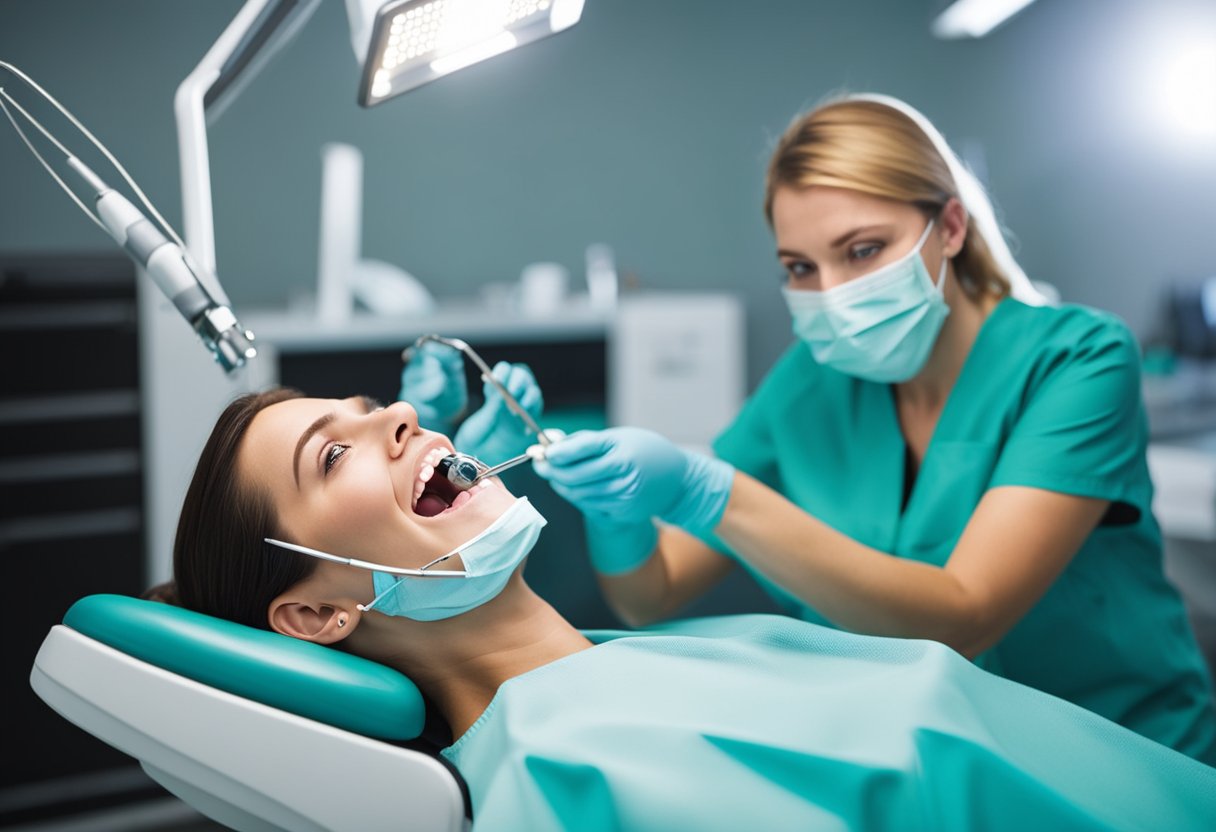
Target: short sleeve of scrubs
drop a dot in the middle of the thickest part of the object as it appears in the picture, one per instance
(1079, 433)
(749, 444)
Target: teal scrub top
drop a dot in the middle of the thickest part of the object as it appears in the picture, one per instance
(765, 722)
(1049, 398)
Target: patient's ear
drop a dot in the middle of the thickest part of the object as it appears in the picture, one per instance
(304, 619)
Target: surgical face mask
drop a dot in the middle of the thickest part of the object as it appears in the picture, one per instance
(429, 595)
(489, 559)
(880, 327)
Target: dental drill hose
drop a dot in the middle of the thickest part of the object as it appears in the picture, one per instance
(214, 322)
(206, 309)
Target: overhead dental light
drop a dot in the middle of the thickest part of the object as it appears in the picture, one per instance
(401, 44)
(975, 18)
(406, 43)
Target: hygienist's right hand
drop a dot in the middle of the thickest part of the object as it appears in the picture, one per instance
(628, 475)
(434, 383)
(494, 434)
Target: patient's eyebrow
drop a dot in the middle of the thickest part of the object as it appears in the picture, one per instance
(309, 433)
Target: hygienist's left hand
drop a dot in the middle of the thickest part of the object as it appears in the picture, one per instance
(629, 475)
(433, 382)
(493, 433)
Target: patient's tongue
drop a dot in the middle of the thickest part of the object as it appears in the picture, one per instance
(429, 505)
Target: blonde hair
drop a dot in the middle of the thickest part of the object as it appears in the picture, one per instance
(872, 148)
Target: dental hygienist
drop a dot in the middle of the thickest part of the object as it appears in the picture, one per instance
(940, 456)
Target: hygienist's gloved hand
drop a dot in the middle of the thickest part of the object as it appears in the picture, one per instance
(433, 382)
(629, 475)
(494, 434)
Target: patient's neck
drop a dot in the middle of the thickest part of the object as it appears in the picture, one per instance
(459, 663)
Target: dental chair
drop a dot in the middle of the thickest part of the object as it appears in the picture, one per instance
(254, 729)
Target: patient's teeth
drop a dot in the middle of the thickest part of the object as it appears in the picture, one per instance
(425, 474)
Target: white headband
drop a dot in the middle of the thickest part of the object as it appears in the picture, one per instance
(974, 199)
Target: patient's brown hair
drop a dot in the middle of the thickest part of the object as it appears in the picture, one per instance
(221, 564)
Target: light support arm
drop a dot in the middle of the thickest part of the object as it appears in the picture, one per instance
(258, 31)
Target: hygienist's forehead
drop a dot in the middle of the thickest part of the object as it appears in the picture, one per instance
(826, 212)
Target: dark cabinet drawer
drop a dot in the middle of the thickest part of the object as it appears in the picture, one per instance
(32, 499)
(52, 575)
(37, 434)
(57, 358)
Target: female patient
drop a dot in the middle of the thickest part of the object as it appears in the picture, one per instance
(713, 724)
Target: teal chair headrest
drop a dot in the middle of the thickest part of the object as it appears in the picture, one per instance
(302, 678)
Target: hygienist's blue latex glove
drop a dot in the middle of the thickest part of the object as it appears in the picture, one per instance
(494, 434)
(629, 475)
(434, 383)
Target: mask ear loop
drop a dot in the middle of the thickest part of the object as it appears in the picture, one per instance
(376, 600)
(404, 578)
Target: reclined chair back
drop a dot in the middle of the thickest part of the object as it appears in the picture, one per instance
(254, 729)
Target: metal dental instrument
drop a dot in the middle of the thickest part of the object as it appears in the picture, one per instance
(464, 471)
(486, 375)
(495, 470)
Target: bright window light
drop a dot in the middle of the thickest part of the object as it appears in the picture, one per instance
(975, 18)
(1188, 89)
(415, 41)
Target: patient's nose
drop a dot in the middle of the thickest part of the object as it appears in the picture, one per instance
(400, 423)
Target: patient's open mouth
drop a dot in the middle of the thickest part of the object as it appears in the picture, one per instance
(434, 495)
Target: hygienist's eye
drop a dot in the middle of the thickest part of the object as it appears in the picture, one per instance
(864, 251)
(334, 453)
(797, 270)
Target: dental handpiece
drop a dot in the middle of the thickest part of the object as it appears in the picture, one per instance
(464, 471)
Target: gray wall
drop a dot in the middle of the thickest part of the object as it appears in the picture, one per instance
(647, 127)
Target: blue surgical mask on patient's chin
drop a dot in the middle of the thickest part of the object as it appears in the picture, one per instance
(489, 559)
(880, 327)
